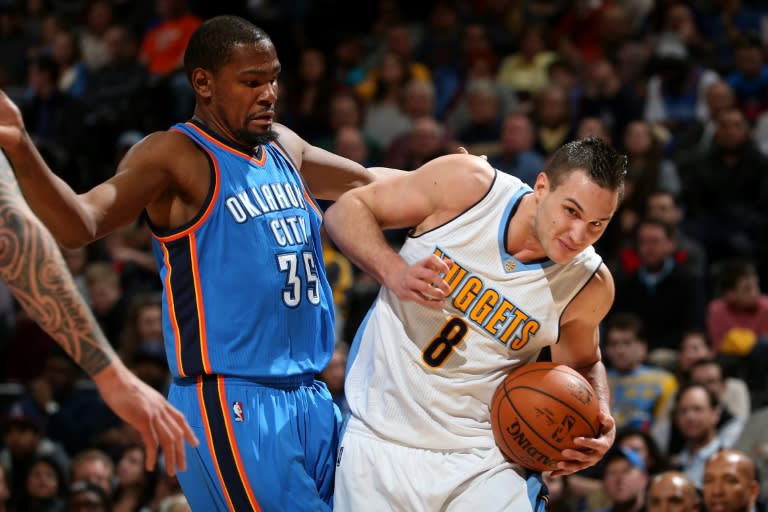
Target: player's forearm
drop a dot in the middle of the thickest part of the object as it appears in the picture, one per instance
(50, 197)
(598, 378)
(32, 266)
(354, 230)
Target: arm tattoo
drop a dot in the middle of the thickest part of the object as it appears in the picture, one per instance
(35, 271)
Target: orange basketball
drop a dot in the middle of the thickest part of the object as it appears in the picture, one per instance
(537, 411)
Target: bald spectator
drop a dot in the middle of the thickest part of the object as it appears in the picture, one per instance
(672, 491)
(730, 484)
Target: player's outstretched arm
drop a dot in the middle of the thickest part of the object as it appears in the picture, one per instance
(579, 348)
(77, 219)
(32, 266)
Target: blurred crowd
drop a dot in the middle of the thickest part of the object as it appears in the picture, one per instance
(680, 87)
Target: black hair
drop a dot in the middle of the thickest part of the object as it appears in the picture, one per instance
(733, 270)
(625, 321)
(602, 163)
(210, 46)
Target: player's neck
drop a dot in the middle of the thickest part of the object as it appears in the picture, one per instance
(522, 242)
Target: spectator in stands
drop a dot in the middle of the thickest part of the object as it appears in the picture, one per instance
(526, 71)
(737, 322)
(665, 206)
(552, 119)
(624, 479)
(606, 97)
(753, 441)
(162, 50)
(346, 111)
(668, 298)
(69, 413)
(86, 497)
(135, 487)
(107, 299)
(99, 17)
(384, 118)
(24, 441)
(696, 352)
(95, 467)
(641, 395)
(45, 487)
(676, 88)
(672, 491)
(709, 374)
(697, 412)
(730, 483)
(306, 99)
(749, 78)
(725, 189)
(516, 155)
(696, 138)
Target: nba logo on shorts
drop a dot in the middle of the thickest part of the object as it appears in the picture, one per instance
(237, 408)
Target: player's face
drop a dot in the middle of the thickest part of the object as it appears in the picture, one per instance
(573, 215)
(669, 494)
(244, 92)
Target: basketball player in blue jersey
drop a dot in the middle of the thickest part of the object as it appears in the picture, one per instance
(247, 310)
(36, 274)
(491, 273)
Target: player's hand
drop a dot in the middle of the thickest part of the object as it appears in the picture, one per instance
(423, 282)
(11, 122)
(146, 410)
(590, 450)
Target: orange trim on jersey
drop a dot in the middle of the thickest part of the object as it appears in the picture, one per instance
(233, 443)
(200, 308)
(205, 215)
(260, 162)
(209, 440)
(172, 310)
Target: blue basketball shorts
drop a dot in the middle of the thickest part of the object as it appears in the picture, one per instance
(262, 447)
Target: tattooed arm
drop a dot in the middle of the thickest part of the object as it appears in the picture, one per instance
(32, 266)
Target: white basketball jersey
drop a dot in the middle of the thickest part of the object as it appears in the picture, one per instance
(423, 377)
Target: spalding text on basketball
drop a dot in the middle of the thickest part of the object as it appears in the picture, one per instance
(519, 437)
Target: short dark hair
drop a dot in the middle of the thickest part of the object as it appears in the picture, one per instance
(210, 46)
(625, 321)
(714, 401)
(602, 163)
(670, 231)
(733, 270)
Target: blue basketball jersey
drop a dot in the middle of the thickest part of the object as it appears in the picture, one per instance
(244, 287)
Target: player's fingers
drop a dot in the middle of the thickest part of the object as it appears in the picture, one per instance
(439, 265)
(150, 440)
(169, 443)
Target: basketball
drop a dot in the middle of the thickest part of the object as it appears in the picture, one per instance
(537, 411)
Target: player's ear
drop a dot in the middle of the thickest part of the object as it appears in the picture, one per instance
(542, 184)
(201, 82)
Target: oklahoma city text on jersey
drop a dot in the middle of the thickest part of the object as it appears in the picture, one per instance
(272, 197)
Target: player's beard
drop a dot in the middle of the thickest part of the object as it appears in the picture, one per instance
(257, 139)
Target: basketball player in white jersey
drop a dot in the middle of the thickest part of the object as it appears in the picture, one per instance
(492, 272)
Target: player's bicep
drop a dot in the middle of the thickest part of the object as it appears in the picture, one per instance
(142, 176)
(579, 343)
(396, 202)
